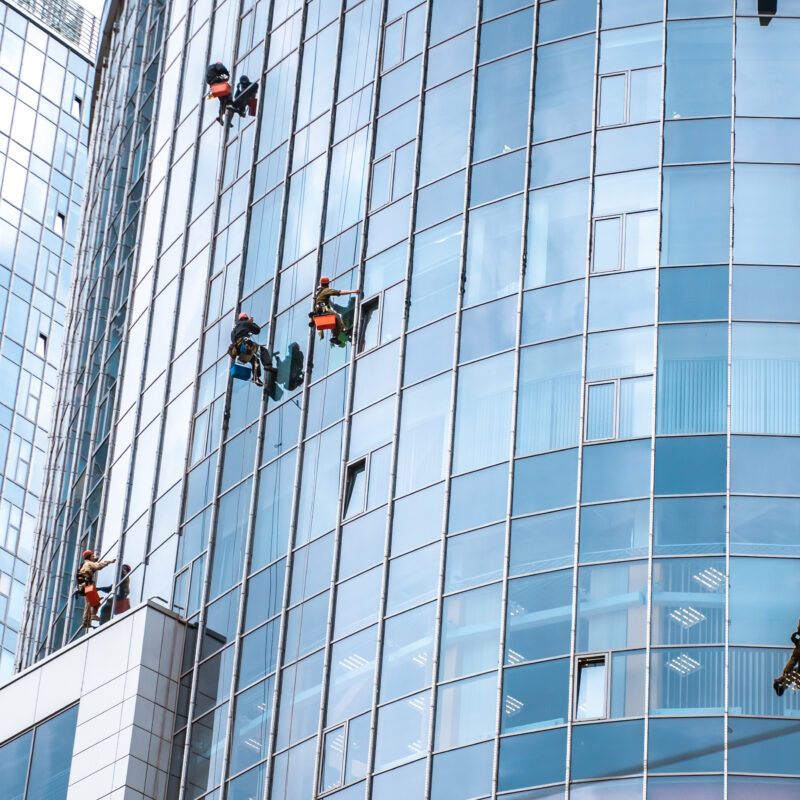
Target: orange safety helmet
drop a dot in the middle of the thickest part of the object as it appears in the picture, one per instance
(323, 281)
(88, 554)
(244, 315)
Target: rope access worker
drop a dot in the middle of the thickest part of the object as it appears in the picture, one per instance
(340, 335)
(248, 351)
(86, 587)
(244, 101)
(791, 672)
(217, 77)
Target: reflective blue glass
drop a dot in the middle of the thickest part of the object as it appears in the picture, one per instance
(687, 680)
(251, 723)
(696, 215)
(698, 68)
(440, 200)
(417, 519)
(621, 301)
(407, 658)
(766, 199)
(535, 696)
(450, 59)
(618, 354)
(545, 482)
(632, 147)
(615, 530)
(764, 465)
(630, 48)
(630, 12)
(564, 88)
(690, 465)
(752, 670)
(474, 558)
(539, 616)
(552, 312)
(518, 769)
(692, 140)
(560, 161)
(412, 579)
(497, 178)
(444, 130)
(15, 755)
(462, 774)
(765, 293)
(743, 788)
(616, 471)
(352, 673)
(429, 350)
(630, 789)
(351, 612)
(449, 17)
(765, 745)
(259, 652)
(488, 329)
(783, 136)
(690, 745)
(470, 634)
(765, 525)
(689, 8)
(466, 711)
(478, 498)
(362, 543)
(542, 542)
(627, 191)
(689, 525)
(605, 749)
(402, 730)
(566, 18)
(265, 594)
(692, 378)
(400, 783)
(694, 293)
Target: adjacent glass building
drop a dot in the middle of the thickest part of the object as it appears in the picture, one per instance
(46, 51)
(534, 534)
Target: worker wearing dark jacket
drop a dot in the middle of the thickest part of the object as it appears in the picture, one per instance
(790, 675)
(85, 577)
(245, 349)
(217, 74)
(322, 305)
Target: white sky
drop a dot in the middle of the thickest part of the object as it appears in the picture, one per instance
(94, 6)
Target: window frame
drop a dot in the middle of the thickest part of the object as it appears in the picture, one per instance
(350, 473)
(586, 660)
(617, 383)
(626, 111)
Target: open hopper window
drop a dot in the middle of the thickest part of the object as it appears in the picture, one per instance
(77, 106)
(59, 222)
(591, 688)
(356, 488)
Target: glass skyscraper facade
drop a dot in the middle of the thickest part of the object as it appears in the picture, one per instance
(45, 84)
(534, 534)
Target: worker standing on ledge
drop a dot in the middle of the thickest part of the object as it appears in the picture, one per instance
(86, 587)
(340, 334)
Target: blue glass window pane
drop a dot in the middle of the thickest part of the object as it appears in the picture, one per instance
(545, 482)
(688, 680)
(689, 525)
(627, 684)
(765, 465)
(440, 200)
(407, 660)
(564, 89)
(768, 67)
(466, 711)
(645, 95)
(417, 519)
(412, 579)
(612, 606)
(635, 407)
(251, 723)
(496, 178)
(743, 788)
(542, 542)
(539, 616)
(616, 471)
(618, 354)
(621, 301)
(690, 745)
(552, 312)
(692, 378)
(688, 601)
(507, 35)
(444, 130)
(250, 784)
(630, 789)
(567, 18)
(690, 465)
(617, 530)
(783, 136)
(305, 627)
(759, 616)
(204, 769)
(766, 293)
(692, 140)
(298, 712)
(630, 12)
(630, 47)
(470, 635)
(462, 774)
(535, 696)
(766, 201)
(627, 191)
(493, 8)
(631, 147)
(483, 412)
(449, 17)
(698, 68)
(450, 59)
(402, 730)
(352, 669)
(15, 755)
(488, 329)
(518, 769)
(694, 293)
(362, 543)
(696, 215)
(399, 784)
(606, 244)
(422, 433)
(429, 350)
(765, 525)
(435, 273)
(221, 622)
(752, 694)
(474, 558)
(557, 234)
(560, 161)
(311, 571)
(494, 238)
(548, 413)
(762, 745)
(613, 100)
(352, 612)
(765, 395)
(605, 749)
(259, 652)
(478, 498)
(690, 8)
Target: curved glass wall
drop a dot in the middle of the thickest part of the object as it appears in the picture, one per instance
(518, 539)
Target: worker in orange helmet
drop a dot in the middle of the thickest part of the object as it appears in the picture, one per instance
(340, 335)
(86, 587)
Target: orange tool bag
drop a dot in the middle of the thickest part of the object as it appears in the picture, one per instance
(325, 322)
(220, 90)
(91, 594)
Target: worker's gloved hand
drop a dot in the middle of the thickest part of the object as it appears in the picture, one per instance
(779, 686)
(795, 637)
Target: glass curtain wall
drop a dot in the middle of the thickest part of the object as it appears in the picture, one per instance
(508, 543)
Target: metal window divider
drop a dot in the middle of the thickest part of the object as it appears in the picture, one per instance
(345, 460)
(448, 461)
(582, 420)
(514, 411)
(381, 627)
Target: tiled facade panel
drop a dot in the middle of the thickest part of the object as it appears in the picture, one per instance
(518, 539)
